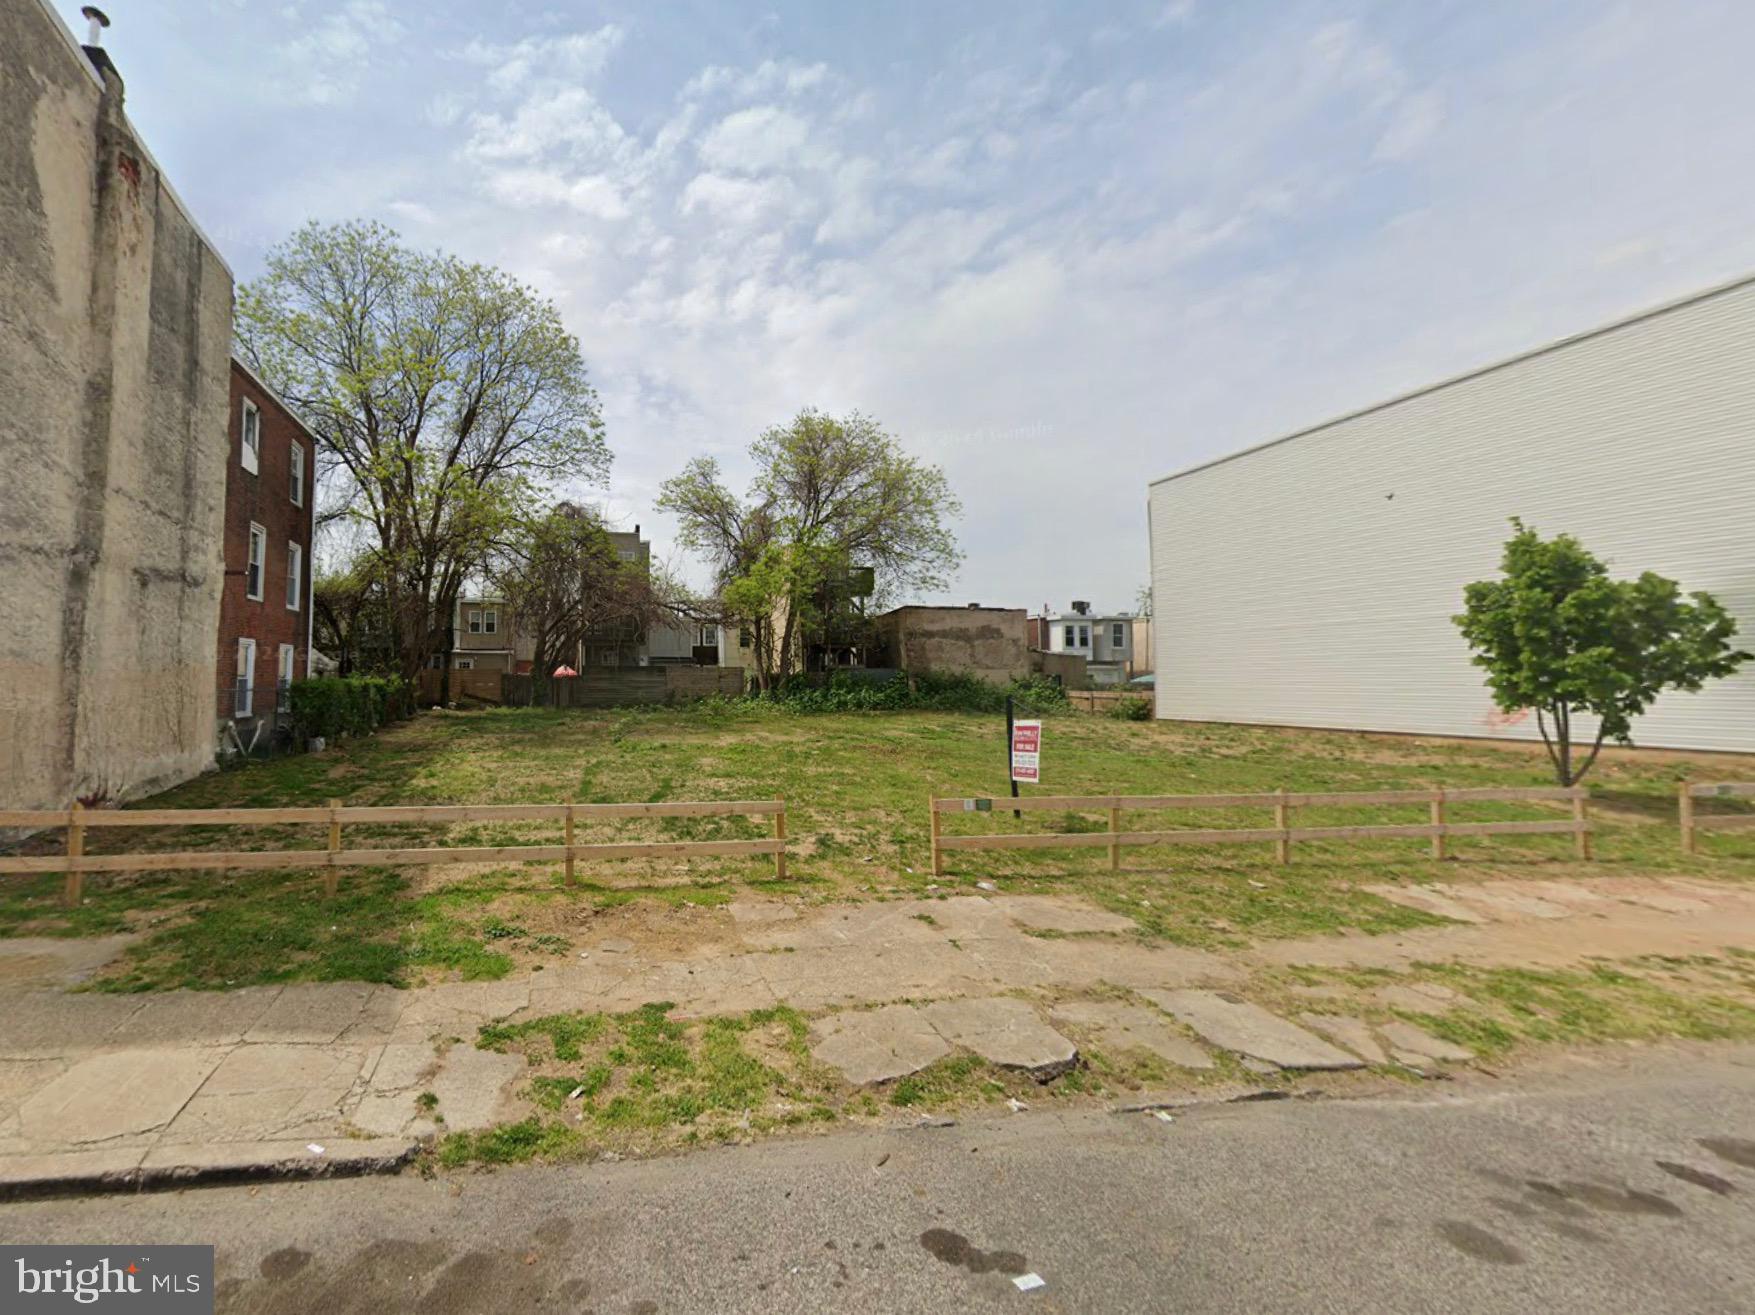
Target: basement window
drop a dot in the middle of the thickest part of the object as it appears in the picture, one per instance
(250, 452)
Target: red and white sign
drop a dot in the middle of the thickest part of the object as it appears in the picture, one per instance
(1027, 752)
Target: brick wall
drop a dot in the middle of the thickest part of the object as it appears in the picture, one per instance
(264, 499)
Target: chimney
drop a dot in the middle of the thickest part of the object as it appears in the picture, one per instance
(96, 21)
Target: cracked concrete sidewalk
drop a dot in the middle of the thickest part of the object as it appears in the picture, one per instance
(127, 1089)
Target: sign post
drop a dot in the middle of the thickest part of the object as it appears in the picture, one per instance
(1024, 751)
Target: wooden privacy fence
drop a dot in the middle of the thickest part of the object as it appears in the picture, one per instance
(334, 815)
(1280, 835)
(1693, 823)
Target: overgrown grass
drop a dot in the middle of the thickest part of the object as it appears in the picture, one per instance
(856, 785)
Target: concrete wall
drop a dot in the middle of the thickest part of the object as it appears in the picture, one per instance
(1311, 581)
(115, 335)
(988, 642)
(1068, 668)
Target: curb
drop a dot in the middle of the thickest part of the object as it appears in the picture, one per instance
(174, 1168)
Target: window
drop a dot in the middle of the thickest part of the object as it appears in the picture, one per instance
(253, 569)
(474, 622)
(629, 554)
(295, 574)
(437, 662)
(1084, 636)
(465, 664)
(1118, 635)
(490, 622)
(284, 679)
(241, 700)
(297, 486)
(251, 451)
(1071, 637)
(709, 637)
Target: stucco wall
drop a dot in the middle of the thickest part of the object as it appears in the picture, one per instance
(989, 642)
(115, 333)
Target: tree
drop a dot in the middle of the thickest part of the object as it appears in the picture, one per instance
(444, 397)
(1142, 600)
(1558, 635)
(561, 579)
(828, 496)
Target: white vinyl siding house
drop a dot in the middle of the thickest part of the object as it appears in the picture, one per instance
(1311, 581)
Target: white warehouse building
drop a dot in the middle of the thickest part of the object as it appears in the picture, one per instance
(1311, 581)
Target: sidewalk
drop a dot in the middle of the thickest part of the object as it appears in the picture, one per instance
(320, 1078)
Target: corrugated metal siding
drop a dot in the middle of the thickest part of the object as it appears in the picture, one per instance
(1311, 582)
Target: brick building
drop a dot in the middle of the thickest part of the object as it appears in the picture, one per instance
(265, 605)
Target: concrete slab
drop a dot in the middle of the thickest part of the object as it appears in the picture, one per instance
(120, 1093)
(43, 1024)
(1006, 1032)
(1047, 913)
(474, 1087)
(1352, 1033)
(204, 1017)
(1233, 1024)
(877, 1045)
(312, 1013)
(1416, 997)
(93, 1169)
(1405, 1037)
(20, 1077)
(1503, 902)
(38, 962)
(1118, 1026)
(287, 1158)
(1427, 900)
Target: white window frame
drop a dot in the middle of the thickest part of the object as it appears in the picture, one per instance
(295, 575)
(244, 688)
(250, 437)
(1084, 636)
(1069, 636)
(297, 487)
(490, 621)
(256, 562)
(465, 664)
(709, 637)
(1117, 634)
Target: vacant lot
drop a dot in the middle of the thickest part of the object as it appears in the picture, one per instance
(856, 788)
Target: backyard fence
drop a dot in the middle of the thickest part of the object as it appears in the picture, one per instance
(78, 820)
(1693, 823)
(1281, 835)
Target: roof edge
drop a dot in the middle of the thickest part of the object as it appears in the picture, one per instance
(1448, 381)
(276, 398)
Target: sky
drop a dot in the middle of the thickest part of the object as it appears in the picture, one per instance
(1059, 249)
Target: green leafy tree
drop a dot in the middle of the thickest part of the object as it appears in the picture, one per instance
(446, 398)
(828, 495)
(1558, 635)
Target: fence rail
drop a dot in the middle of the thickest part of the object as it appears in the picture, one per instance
(1693, 823)
(78, 820)
(1281, 835)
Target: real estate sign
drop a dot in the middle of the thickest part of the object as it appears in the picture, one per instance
(1027, 752)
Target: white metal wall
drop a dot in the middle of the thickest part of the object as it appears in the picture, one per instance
(1311, 581)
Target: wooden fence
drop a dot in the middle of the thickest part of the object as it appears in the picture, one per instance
(1280, 835)
(78, 820)
(1693, 823)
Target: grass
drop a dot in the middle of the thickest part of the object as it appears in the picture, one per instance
(856, 786)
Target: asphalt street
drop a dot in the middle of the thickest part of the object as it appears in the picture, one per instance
(1623, 1182)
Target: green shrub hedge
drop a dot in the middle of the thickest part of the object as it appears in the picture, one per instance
(333, 706)
(926, 693)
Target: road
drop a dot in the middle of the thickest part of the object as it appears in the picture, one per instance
(1547, 1193)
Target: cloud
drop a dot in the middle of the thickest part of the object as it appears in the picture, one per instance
(570, 56)
(1413, 123)
(329, 60)
(593, 195)
(769, 77)
(742, 202)
(756, 140)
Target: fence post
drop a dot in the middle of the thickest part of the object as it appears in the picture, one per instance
(1438, 845)
(1581, 821)
(1689, 845)
(780, 835)
(1282, 822)
(73, 890)
(938, 857)
(1115, 839)
(332, 874)
(569, 844)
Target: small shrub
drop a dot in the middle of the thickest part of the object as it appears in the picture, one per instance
(333, 706)
(1131, 709)
(847, 691)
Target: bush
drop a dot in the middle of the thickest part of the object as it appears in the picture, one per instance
(1131, 709)
(848, 692)
(333, 706)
